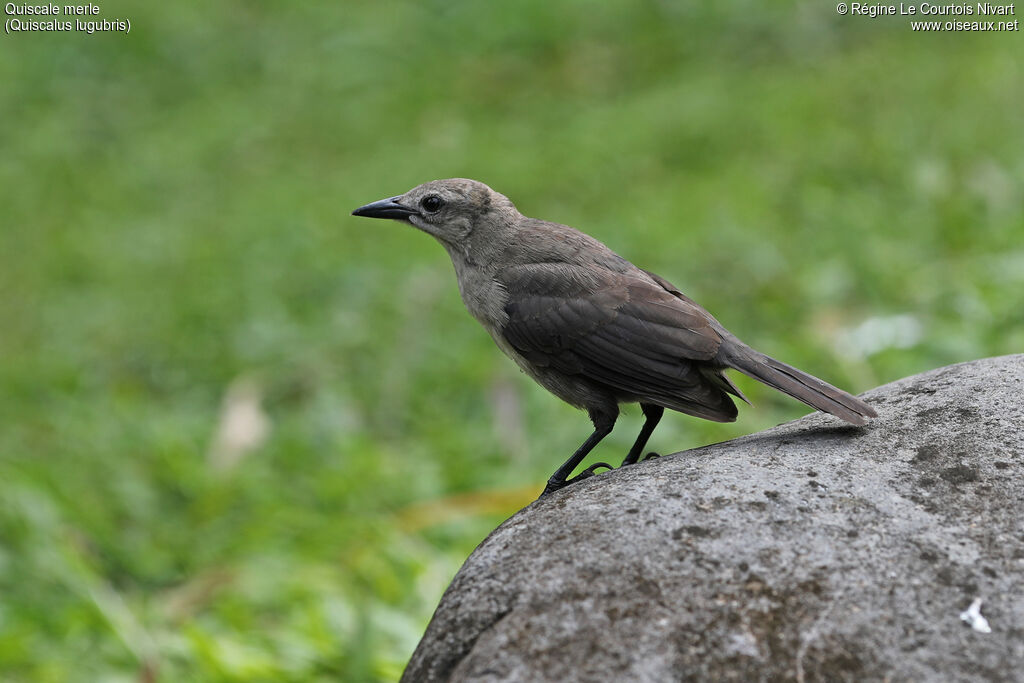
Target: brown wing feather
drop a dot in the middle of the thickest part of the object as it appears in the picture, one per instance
(617, 329)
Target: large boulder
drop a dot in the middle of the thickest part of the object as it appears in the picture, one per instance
(811, 551)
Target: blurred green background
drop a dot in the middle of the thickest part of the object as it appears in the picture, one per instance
(245, 436)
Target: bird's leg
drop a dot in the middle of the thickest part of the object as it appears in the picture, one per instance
(653, 414)
(603, 423)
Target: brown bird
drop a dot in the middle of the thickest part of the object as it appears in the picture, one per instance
(588, 325)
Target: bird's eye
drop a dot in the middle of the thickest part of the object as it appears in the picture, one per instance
(432, 203)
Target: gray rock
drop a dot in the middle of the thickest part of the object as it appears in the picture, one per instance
(811, 551)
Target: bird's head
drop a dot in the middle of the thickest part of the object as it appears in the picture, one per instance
(459, 212)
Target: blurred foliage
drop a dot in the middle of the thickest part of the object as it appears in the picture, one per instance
(841, 192)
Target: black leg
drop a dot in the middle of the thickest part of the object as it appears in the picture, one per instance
(603, 424)
(653, 414)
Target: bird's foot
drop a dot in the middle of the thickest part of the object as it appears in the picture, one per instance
(628, 461)
(589, 472)
(554, 484)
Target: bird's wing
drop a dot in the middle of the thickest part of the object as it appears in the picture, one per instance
(619, 329)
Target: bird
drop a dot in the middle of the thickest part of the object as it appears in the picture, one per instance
(588, 325)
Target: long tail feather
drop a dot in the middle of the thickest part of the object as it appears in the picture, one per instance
(798, 384)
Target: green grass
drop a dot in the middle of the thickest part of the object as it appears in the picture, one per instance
(176, 220)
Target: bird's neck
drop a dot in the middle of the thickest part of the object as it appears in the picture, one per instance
(484, 296)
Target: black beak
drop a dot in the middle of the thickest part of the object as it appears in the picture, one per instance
(385, 208)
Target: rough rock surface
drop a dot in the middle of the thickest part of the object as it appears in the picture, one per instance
(811, 551)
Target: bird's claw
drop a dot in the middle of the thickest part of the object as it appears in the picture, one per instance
(585, 474)
(589, 472)
(651, 456)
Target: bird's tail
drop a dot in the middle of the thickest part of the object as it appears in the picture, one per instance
(798, 384)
